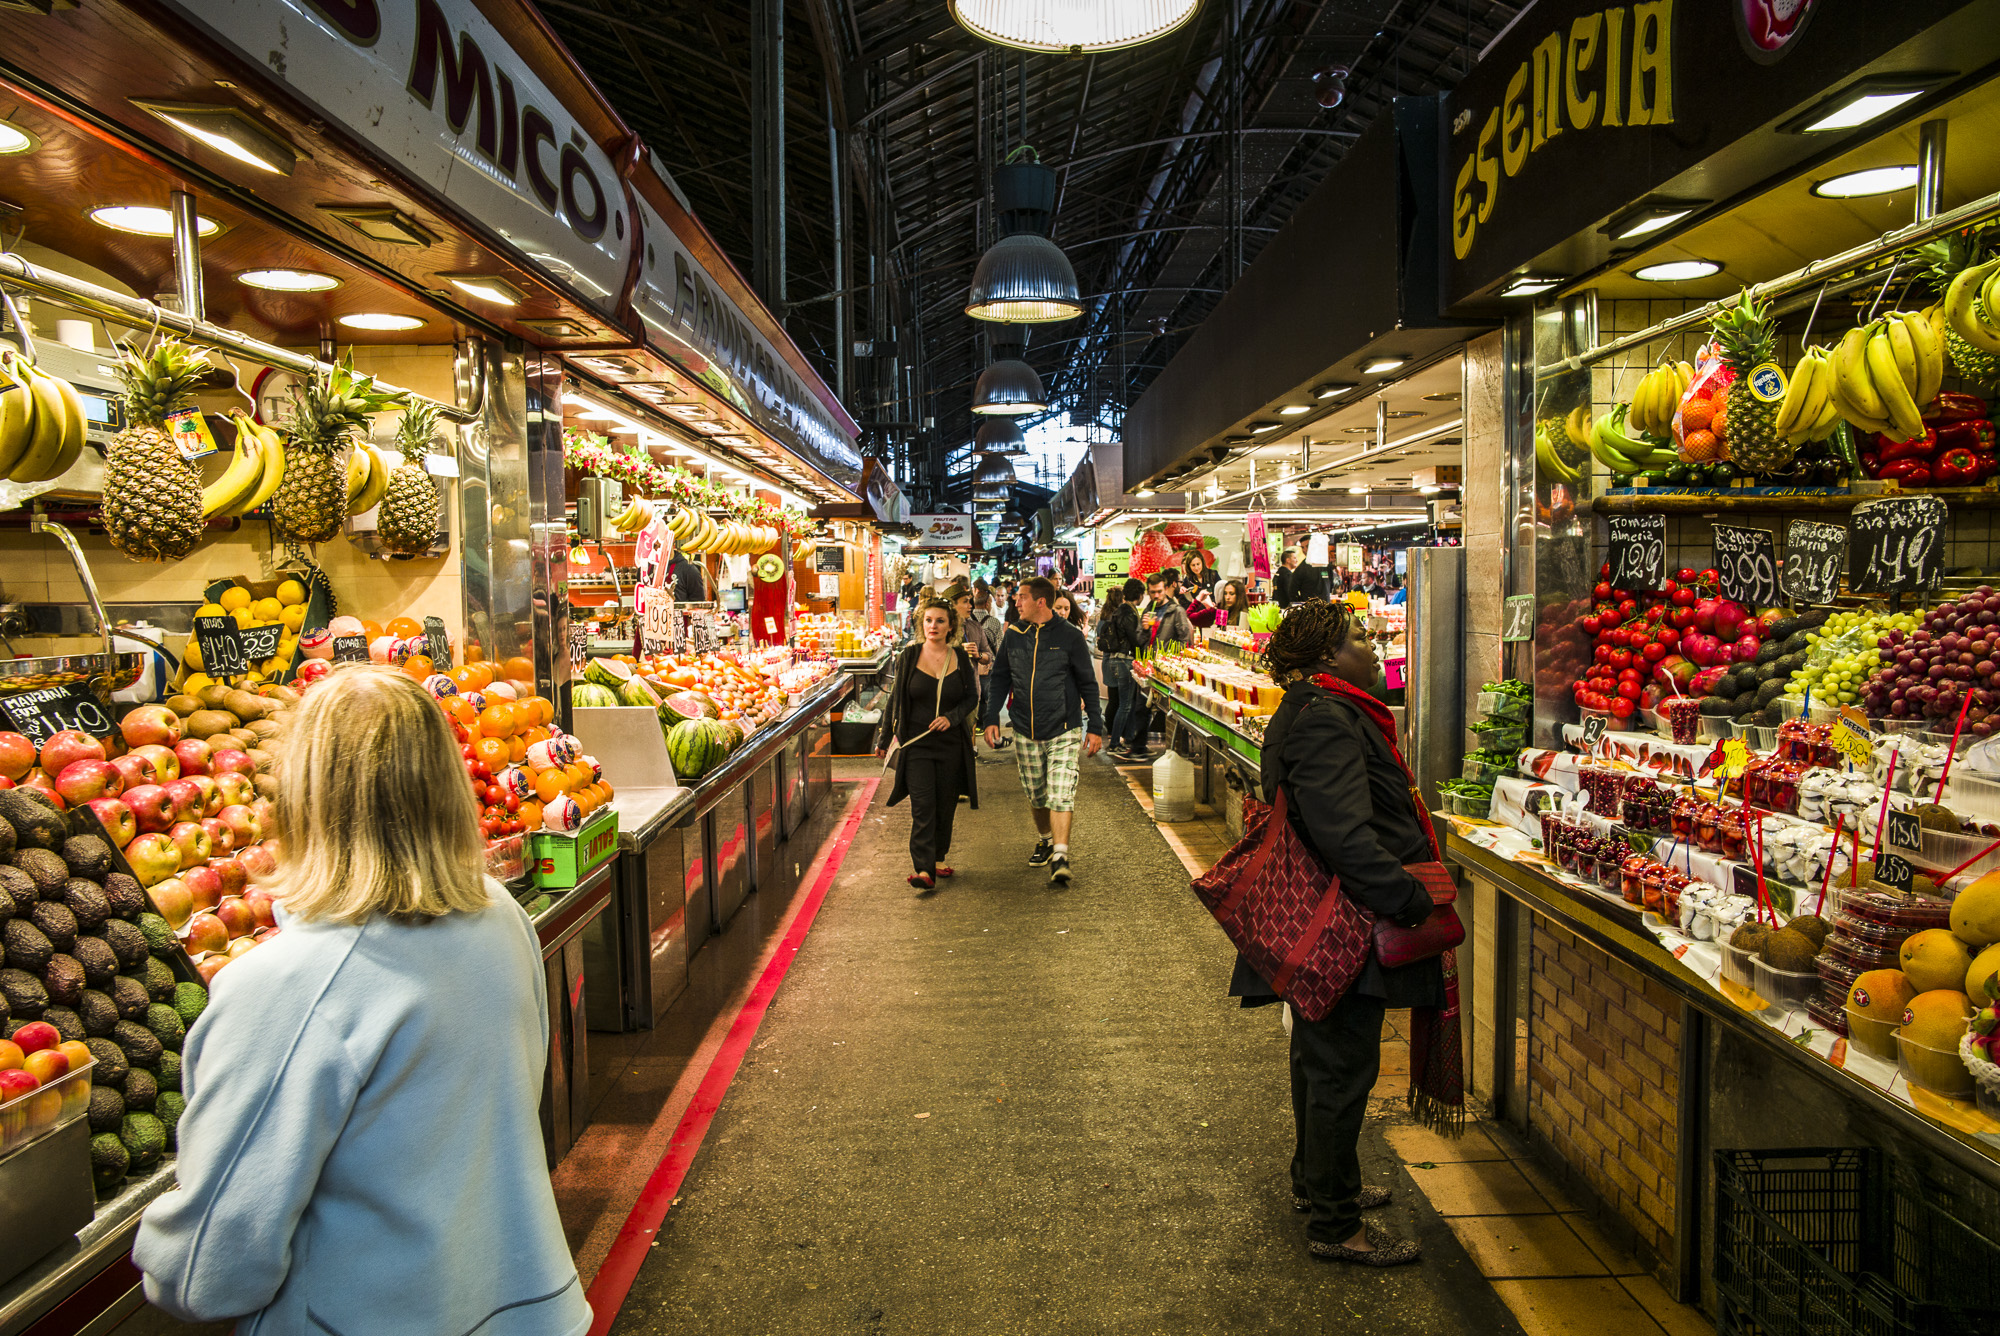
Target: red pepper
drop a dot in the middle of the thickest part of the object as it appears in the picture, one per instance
(1909, 472)
(1917, 447)
(1952, 406)
(1957, 467)
(1989, 463)
(1871, 463)
(1973, 434)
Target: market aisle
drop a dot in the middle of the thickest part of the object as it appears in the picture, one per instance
(1005, 1108)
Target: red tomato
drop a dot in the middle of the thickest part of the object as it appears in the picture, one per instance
(1654, 652)
(1622, 708)
(1603, 589)
(1631, 690)
(1621, 658)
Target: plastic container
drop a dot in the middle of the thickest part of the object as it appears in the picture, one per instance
(1472, 807)
(1938, 1070)
(1876, 936)
(1739, 966)
(1836, 973)
(1911, 914)
(1502, 707)
(1858, 956)
(1500, 737)
(1945, 851)
(27, 1118)
(1758, 737)
(1876, 1038)
(1786, 990)
(1972, 795)
(1173, 788)
(1829, 1014)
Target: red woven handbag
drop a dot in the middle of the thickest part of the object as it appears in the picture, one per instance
(1286, 913)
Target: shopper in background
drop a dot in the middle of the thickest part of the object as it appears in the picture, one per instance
(1401, 596)
(1350, 797)
(1234, 603)
(1281, 585)
(688, 579)
(1197, 572)
(982, 611)
(1067, 609)
(1117, 640)
(1044, 676)
(361, 1149)
(1165, 617)
(936, 691)
(1310, 583)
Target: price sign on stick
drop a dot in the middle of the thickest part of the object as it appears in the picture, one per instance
(1894, 872)
(1747, 560)
(1852, 740)
(41, 714)
(1519, 623)
(1815, 559)
(656, 618)
(220, 642)
(260, 642)
(1638, 551)
(1898, 545)
(439, 642)
(1904, 831)
(1593, 729)
(579, 645)
(350, 649)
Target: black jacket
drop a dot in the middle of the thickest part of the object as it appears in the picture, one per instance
(1350, 801)
(1118, 630)
(891, 726)
(689, 581)
(1045, 676)
(1281, 588)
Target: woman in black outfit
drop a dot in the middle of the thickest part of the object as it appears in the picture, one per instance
(1349, 797)
(935, 691)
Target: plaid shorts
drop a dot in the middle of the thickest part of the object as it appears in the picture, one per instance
(1048, 769)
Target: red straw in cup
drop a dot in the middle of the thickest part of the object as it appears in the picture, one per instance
(1827, 878)
(1952, 750)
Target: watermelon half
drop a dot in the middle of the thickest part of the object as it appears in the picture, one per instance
(635, 692)
(687, 705)
(607, 673)
(591, 695)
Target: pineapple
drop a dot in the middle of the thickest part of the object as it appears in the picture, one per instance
(1947, 256)
(409, 518)
(312, 500)
(152, 496)
(1743, 334)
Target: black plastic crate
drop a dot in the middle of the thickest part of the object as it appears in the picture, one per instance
(1820, 1243)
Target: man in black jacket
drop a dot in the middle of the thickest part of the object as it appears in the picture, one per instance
(1044, 675)
(1281, 587)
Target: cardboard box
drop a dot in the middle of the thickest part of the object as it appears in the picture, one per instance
(564, 860)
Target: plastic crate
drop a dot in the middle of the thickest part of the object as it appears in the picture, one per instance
(1823, 1242)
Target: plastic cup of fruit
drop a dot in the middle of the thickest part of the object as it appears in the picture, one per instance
(1940, 1071)
(1684, 718)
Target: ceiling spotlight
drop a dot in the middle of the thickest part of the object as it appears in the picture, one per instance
(1430, 491)
(1293, 410)
(1403, 413)
(487, 288)
(13, 139)
(1330, 86)
(145, 221)
(1527, 285)
(1650, 216)
(227, 130)
(1447, 397)
(287, 280)
(1259, 428)
(1677, 271)
(1862, 102)
(1071, 29)
(1024, 279)
(1359, 431)
(1332, 389)
(381, 320)
(1381, 366)
(1869, 181)
(380, 222)
(1358, 491)
(1143, 491)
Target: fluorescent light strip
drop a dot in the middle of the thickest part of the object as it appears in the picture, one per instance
(1862, 110)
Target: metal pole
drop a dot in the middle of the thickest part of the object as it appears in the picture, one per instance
(841, 347)
(1381, 420)
(1930, 169)
(767, 150)
(187, 253)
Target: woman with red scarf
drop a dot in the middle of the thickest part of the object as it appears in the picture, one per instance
(1332, 747)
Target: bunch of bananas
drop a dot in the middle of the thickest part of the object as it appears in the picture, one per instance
(636, 516)
(1659, 394)
(1808, 412)
(1623, 453)
(697, 532)
(256, 467)
(1884, 373)
(367, 478)
(41, 422)
(1969, 306)
(1553, 467)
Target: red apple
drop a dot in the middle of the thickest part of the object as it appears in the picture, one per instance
(116, 818)
(235, 877)
(36, 1036)
(231, 760)
(187, 798)
(152, 807)
(192, 841)
(221, 839)
(38, 779)
(46, 1064)
(136, 769)
(10, 1055)
(211, 794)
(235, 787)
(67, 746)
(150, 725)
(80, 781)
(258, 860)
(311, 671)
(173, 900)
(239, 918)
(154, 857)
(263, 906)
(241, 819)
(166, 765)
(17, 755)
(266, 813)
(193, 754)
(241, 946)
(204, 885)
(205, 933)
(211, 965)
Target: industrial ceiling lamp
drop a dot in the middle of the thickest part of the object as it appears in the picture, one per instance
(1000, 436)
(994, 471)
(1009, 387)
(1024, 278)
(1071, 27)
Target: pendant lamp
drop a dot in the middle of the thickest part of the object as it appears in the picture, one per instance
(1008, 387)
(1024, 280)
(994, 470)
(1071, 26)
(1000, 436)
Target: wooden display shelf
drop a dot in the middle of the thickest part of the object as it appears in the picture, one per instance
(1971, 498)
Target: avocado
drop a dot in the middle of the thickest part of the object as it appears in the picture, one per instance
(1716, 707)
(126, 942)
(1790, 664)
(1770, 691)
(87, 856)
(144, 1136)
(165, 1023)
(159, 980)
(100, 966)
(107, 1109)
(159, 936)
(99, 1012)
(1797, 643)
(8, 840)
(1768, 651)
(130, 997)
(85, 899)
(24, 992)
(1784, 629)
(140, 1089)
(111, 1064)
(168, 1073)
(36, 825)
(190, 1000)
(109, 1160)
(63, 977)
(27, 946)
(142, 1048)
(67, 1023)
(6, 904)
(56, 922)
(127, 898)
(1746, 703)
(20, 887)
(168, 1108)
(45, 869)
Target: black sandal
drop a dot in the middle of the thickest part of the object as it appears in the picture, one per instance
(1382, 1250)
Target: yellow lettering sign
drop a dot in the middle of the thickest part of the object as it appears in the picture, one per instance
(1652, 54)
(1514, 123)
(1614, 65)
(1462, 225)
(1578, 57)
(1489, 170)
(1548, 90)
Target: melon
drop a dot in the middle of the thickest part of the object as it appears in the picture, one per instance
(591, 695)
(1980, 977)
(1935, 959)
(1975, 914)
(636, 693)
(695, 747)
(686, 705)
(1934, 1021)
(607, 673)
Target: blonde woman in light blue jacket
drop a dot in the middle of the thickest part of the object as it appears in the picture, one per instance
(362, 1152)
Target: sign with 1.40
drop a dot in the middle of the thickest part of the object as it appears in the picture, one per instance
(1898, 545)
(1637, 553)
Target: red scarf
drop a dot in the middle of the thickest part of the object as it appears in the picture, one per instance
(1437, 1064)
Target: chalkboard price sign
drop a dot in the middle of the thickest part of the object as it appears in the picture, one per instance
(220, 642)
(260, 642)
(1893, 872)
(1747, 560)
(1905, 832)
(350, 649)
(440, 644)
(830, 560)
(1520, 618)
(1898, 545)
(1593, 729)
(1638, 554)
(1815, 557)
(41, 714)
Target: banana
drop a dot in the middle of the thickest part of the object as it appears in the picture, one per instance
(73, 425)
(1853, 379)
(1617, 451)
(360, 466)
(1958, 301)
(273, 471)
(1793, 404)
(1904, 350)
(681, 524)
(39, 463)
(1551, 463)
(1905, 423)
(17, 416)
(239, 480)
(1989, 292)
(378, 479)
(1929, 345)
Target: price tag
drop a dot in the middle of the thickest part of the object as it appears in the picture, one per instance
(1898, 545)
(579, 645)
(1852, 741)
(440, 643)
(260, 642)
(700, 631)
(1743, 880)
(1593, 729)
(41, 714)
(654, 613)
(188, 430)
(1735, 758)
(770, 626)
(1747, 560)
(1638, 551)
(1815, 559)
(1895, 872)
(220, 641)
(1904, 831)
(830, 559)
(1520, 618)
(350, 649)
(441, 466)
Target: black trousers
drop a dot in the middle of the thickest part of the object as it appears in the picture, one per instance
(1335, 1061)
(934, 773)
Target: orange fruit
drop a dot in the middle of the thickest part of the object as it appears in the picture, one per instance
(517, 749)
(419, 666)
(578, 773)
(484, 672)
(459, 708)
(1696, 414)
(531, 815)
(465, 679)
(530, 736)
(544, 709)
(518, 669)
(1701, 446)
(497, 720)
(373, 630)
(403, 627)
(492, 751)
(551, 783)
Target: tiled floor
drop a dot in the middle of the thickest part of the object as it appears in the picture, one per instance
(1548, 1263)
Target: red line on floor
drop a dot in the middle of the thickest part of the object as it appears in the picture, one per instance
(628, 1251)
